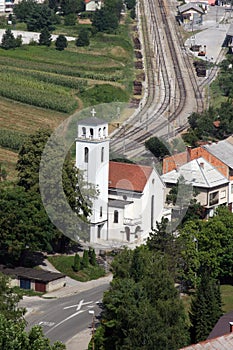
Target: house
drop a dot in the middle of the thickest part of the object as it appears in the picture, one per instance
(92, 5)
(225, 342)
(223, 153)
(210, 184)
(37, 280)
(191, 13)
(219, 154)
(130, 196)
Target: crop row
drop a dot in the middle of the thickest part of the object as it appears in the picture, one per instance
(103, 73)
(36, 93)
(50, 78)
(11, 139)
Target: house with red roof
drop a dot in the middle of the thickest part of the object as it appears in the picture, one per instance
(130, 196)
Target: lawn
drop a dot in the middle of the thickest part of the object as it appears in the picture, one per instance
(63, 263)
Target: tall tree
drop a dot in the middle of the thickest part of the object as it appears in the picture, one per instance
(45, 37)
(159, 148)
(83, 38)
(143, 309)
(8, 40)
(205, 308)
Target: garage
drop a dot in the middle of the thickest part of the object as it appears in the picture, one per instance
(40, 286)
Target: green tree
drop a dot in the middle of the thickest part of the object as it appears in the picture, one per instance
(83, 38)
(205, 308)
(158, 147)
(8, 40)
(79, 199)
(70, 19)
(143, 309)
(24, 225)
(45, 37)
(92, 256)
(24, 9)
(71, 6)
(14, 337)
(61, 42)
(85, 259)
(77, 265)
(9, 300)
(40, 18)
(104, 20)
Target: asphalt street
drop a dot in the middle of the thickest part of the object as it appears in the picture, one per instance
(61, 319)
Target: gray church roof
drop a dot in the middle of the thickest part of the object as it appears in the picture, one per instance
(92, 121)
(199, 173)
(223, 150)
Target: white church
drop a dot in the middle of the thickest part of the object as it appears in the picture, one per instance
(130, 197)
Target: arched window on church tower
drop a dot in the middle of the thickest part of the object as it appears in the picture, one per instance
(102, 154)
(91, 133)
(116, 216)
(84, 131)
(86, 154)
(104, 131)
(99, 133)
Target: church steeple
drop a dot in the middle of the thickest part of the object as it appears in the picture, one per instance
(92, 156)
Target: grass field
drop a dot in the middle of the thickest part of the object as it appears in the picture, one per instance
(40, 86)
(64, 264)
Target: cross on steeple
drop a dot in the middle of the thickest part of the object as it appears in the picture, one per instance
(93, 112)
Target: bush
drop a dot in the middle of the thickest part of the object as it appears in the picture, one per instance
(83, 38)
(61, 42)
(85, 259)
(11, 139)
(77, 265)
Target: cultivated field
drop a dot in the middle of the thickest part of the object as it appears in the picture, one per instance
(41, 86)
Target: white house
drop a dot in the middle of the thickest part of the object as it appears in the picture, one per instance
(92, 5)
(131, 196)
(211, 185)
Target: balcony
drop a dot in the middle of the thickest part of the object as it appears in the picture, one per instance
(132, 222)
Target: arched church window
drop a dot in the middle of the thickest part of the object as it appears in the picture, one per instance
(102, 154)
(152, 212)
(116, 216)
(104, 131)
(91, 133)
(86, 154)
(101, 212)
(99, 133)
(84, 131)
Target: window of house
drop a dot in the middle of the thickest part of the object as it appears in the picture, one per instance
(101, 212)
(116, 216)
(213, 198)
(223, 194)
(231, 188)
(102, 154)
(86, 154)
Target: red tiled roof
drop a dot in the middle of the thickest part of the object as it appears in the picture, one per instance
(225, 342)
(131, 177)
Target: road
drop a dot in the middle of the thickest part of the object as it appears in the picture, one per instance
(63, 318)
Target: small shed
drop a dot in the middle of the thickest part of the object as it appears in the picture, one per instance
(191, 13)
(37, 280)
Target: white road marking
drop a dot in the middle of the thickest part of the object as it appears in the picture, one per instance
(45, 323)
(66, 319)
(79, 305)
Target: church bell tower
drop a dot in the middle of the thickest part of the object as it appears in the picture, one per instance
(92, 157)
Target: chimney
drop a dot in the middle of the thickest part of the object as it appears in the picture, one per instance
(202, 165)
(231, 327)
(189, 149)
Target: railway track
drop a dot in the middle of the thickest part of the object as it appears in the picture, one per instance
(171, 85)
